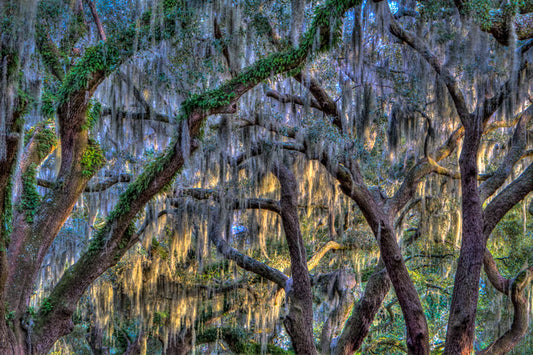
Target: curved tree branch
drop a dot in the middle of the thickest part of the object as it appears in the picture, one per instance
(520, 324)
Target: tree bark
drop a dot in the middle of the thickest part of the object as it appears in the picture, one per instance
(299, 321)
(364, 311)
(461, 322)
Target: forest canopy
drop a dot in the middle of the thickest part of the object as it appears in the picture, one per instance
(266, 176)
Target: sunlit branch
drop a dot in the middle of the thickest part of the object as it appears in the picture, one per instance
(317, 257)
(527, 154)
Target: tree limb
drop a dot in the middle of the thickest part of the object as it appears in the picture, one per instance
(244, 261)
(96, 187)
(514, 154)
(97, 21)
(506, 199)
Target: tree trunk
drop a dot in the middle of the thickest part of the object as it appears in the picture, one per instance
(299, 321)
(461, 322)
(364, 311)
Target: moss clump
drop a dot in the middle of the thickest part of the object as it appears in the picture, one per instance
(46, 141)
(44, 136)
(11, 59)
(24, 102)
(92, 159)
(30, 199)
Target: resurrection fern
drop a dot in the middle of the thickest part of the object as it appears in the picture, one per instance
(46, 140)
(46, 306)
(30, 199)
(7, 217)
(94, 112)
(48, 103)
(92, 159)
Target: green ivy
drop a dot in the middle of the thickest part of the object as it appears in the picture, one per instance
(92, 159)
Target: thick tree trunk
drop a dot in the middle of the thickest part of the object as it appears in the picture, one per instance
(8, 342)
(461, 323)
(299, 321)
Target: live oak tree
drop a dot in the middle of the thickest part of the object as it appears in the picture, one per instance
(442, 90)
